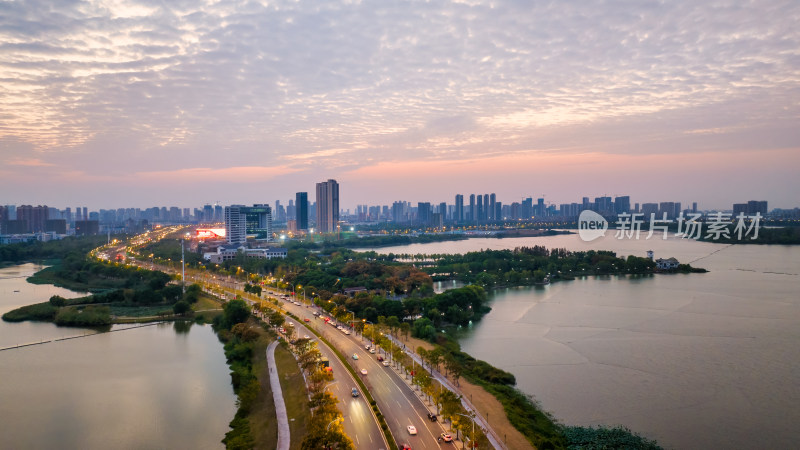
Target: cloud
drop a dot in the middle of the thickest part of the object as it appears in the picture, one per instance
(341, 85)
(227, 174)
(31, 162)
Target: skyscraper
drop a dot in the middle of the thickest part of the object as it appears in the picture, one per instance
(471, 216)
(459, 211)
(301, 206)
(424, 213)
(327, 206)
(235, 225)
(493, 215)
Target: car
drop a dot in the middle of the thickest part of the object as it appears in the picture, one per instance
(380, 358)
(412, 429)
(283, 330)
(306, 319)
(363, 371)
(405, 447)
(446, 437)
(432, 417)
(367, 347)
(355, 356)
(385, 363)
(354, 393)
(372, 350)
(306, 337)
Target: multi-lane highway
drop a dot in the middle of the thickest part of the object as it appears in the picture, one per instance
(359, 422)
(396, 400)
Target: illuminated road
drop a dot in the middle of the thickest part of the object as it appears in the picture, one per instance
(396, 400)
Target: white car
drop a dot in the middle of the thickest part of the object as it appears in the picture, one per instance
(306, 337)
(412, 429)
(372, 350)
(363, 371)
(385, 363)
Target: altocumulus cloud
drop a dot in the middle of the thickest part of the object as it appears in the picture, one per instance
(357, 83)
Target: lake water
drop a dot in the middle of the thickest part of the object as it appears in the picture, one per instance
(159, 386)
(692, 360)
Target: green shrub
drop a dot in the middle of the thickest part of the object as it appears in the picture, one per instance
(38, 311)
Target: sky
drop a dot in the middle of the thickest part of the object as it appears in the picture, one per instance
(113, 103)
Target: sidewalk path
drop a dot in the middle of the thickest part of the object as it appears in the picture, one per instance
(277, 396)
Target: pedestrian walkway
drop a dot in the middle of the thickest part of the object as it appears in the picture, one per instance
(277, 396)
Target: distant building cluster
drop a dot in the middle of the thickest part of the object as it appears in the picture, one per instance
(325, 215)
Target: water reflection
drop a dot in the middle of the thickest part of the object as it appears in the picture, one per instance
(154, 386)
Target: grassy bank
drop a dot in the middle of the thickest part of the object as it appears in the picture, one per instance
(296, 400)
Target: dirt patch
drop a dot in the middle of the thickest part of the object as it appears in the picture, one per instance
(486, 403)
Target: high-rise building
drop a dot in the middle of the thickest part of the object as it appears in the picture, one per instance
(526, 209)
(471, 217)
(493, 214)
(485, 211)
(301, 206)
(235, 225)
(34, 216)
(458, 216)
(424, 213)
(258, 221)
(479, 210)
(327, 206)
(622, 204)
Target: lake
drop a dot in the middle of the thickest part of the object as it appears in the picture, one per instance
(157, 386)
(693, 360)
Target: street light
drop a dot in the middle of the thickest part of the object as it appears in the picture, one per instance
(373, 329)
(327, 428)
(472, 436)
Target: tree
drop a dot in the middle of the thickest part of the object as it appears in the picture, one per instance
(453, 367)
(181, 307)
(276, 319)
(244, 332)
(192, 294)
(235, 311)
(405, 329)
(450, 403)
(57, 300)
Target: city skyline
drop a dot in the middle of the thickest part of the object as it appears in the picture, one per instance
(117, 103)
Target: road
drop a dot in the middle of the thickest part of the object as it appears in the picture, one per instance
(359, 422)
(397, 401)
